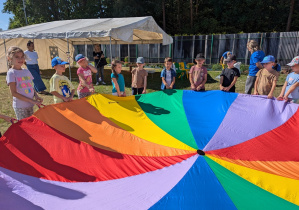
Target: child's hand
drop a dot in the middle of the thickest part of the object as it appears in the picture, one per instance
(270, 96)
(199, 87)
(70, 98)
(287, 99)
(65, 99)
(36, 102)
(170, 87)
(193, 86)
(280, 98)
(124, 94)
(91, 89)
(255, 93)
(167, 87)
(144, 91)
(7, 119)
(39, 99)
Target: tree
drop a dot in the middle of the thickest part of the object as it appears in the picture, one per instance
(292, 5)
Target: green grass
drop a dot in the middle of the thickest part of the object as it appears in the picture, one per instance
(154, 83)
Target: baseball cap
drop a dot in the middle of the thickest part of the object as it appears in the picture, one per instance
(57, 61)
(294, 61)
(199, 57)
(79, 57)
(230, 57)
(268, 58)
(140, 60)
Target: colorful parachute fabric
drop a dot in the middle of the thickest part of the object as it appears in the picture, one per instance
(170, 149)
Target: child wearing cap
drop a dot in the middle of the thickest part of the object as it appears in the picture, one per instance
(60, 86)
(290, 89)
(139, 78)
(84, 72)
(168, 75)
(229, 75)
(266, 78)
(198, 74)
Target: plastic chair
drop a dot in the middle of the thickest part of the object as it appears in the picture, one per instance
(182, 68)
(180, 74)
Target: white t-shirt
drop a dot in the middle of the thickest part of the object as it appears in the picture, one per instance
(31, 57)
(168, 77)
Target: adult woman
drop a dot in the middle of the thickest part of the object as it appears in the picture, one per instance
(100, 62)
(257, 56)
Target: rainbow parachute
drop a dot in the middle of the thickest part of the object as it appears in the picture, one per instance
(171, 149)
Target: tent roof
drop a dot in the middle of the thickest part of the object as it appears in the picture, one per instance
(133, 30)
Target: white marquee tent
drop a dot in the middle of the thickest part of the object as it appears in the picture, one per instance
(59, 37)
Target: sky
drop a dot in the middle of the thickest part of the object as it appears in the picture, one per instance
(4, 17)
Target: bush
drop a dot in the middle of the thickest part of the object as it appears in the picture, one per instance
(243, 68)
(108, 60)
(126, 59)
(216, 67)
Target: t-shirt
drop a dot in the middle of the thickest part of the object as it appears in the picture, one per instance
(138, 77)
(100, 61)
(266, 80)
(229, 75)
(31, 57)
(198, 75)
(168, 78)
(87, 75)
(120, 81)
(62, 85)
(24, 86)
(291, 79)
(257, 56)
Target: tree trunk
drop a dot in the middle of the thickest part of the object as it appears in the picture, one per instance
(196, 8)
(292, 4)
(164, 21)
(179, 17)
(191, 13)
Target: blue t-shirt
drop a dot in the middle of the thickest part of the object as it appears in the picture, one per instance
(291, 79)
(120, 81)
(224, 55)
(257, 56)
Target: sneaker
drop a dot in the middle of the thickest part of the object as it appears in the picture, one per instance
(104, 83)
(100, 79)
(97, 83)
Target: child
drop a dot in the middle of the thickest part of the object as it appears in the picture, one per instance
(277, 66)
(257, 56)
(290, 89)
(20, 82)
(198, 74)
(168, 75)
(85, 87)
(266, 78)
(139, 78)
(60, 86)
(229, 75)
(118, 80)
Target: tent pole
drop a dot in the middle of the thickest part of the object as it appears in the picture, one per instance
(68, 58)
(5, 54)
(110, 51)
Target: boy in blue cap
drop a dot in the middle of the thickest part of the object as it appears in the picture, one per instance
(266, 78)
(60, 86)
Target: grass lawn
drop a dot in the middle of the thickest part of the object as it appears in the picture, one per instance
(154, 83)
